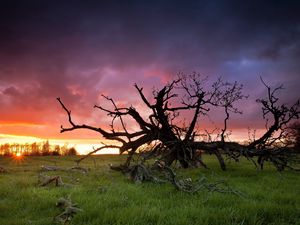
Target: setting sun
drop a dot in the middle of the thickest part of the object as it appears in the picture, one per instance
(18, 156)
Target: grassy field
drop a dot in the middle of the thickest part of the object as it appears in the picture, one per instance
(108, 197)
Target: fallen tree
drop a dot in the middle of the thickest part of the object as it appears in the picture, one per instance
(170, 138)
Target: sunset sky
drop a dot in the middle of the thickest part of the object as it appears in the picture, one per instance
(78, 50)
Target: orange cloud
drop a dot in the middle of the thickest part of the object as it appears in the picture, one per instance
(20, 124)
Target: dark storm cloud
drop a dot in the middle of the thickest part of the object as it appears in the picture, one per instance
(75, 49)
(172, 33)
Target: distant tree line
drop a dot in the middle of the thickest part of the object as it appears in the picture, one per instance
(36, 149)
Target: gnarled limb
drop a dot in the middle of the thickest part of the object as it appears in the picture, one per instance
(280, 113)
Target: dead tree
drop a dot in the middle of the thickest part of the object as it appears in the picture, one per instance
(172, 139)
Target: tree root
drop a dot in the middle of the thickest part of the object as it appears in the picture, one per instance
(137, 173)
(69, 210)
(187, 185)
(140, 173)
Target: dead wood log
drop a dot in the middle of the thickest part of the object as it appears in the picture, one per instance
(79, 169)
(68, 208)
(2, 170)
(50, 168)
(47, 168)
(45, 180)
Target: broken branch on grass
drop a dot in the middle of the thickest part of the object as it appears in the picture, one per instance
(45, 180)
(69, 210)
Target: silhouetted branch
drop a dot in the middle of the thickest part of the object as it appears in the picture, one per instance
(96, 150)
(281, 114)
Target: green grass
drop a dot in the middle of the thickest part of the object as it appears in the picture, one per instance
(108, 197)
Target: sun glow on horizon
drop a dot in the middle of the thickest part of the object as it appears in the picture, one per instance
(82, 146)
(86, 145)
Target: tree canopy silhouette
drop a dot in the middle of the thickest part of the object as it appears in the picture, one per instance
(169, 138)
